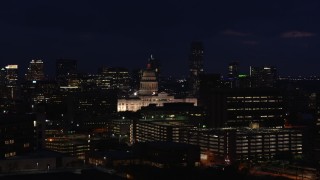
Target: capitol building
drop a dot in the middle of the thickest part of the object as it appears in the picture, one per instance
(148, 94)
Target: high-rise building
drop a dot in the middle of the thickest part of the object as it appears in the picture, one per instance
(102, 81)
(35, 71)
(35, 92)
(66, 70)
(233, 73)
(3, 82)
(114, 78)
(208, 81)
(233, 69)
(3, 73)
(239, 107)
(12, 80)
(195, 67)
(263, 76)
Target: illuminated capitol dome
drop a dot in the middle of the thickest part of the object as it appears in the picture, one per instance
(148, 94)
(148, 82)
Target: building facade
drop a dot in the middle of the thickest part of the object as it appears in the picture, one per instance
(113, 78)
(148, 94)
(265, 76)
(226, 145)
(136, 102)
(17, 134)
(195, 67)
(239, 107)
(163, 130)
(66, 71)
(35, 71)
(72, 145)
(233, 73)
(12, 85)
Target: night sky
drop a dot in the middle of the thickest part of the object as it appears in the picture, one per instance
(125, 32)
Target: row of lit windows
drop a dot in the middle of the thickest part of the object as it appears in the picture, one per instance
(266, 141)
(10, 154)
(253, 97)
(25, 145)
(255, 101)
(244, 116)
(94, 123)
(253, 109)
(68, 149)
(10, 141)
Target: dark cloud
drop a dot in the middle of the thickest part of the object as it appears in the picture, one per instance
(230, 32)
(297, 34)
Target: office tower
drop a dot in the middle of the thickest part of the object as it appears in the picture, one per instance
(35, 71)
(114, 78)
(263, 76)
(196, 67)
(233, 70)
(37, 92)
(233, 73)
(3, 73)
(239, 107)
(208, 81)
(94, 102)
(12, 81)
(66, 70)
(102, 81)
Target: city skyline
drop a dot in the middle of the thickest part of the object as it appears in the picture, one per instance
(160, 89)
(124, 34)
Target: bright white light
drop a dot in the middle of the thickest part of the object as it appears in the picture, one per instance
(203, 157)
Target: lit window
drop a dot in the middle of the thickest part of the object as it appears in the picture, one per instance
(26, 145)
